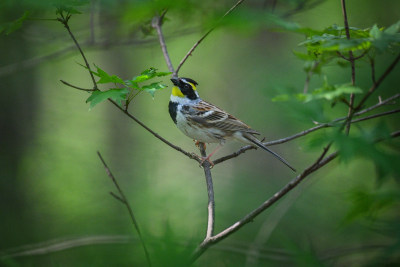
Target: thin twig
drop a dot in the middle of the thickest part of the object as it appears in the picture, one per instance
(92, 12)
(102, 44)
(210, 192)
(377, 115)
(156, 24)
(353, 69)
(308, 78)
(62, 244)
(342, 56)
(308, 131)
(354, 58)
(123, 199)
(372, 63)
(362, 55)
(64, 21)
(189, 155)
(204, 36)
(378, 82)
(77, 87)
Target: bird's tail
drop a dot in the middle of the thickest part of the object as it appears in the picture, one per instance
(258, 143)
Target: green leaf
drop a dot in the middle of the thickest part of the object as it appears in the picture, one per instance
(281, 98)
(69, 6)
(148, 74)
(305, 56)
(152, 88)
(370, 204)
(107, 78)
(382, 39)
(10, 27)
(327, 92)
(364, 145)
(393, 29)
(336, 91)
(116, 94)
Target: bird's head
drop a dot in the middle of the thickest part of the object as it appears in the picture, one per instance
(185, 88)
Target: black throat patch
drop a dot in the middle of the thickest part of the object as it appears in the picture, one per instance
(172, 108)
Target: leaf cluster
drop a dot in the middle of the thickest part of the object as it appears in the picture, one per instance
(331, 46)
(125, 90)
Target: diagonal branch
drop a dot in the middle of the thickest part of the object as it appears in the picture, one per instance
(77, 87)
(204, 36)
(378, 82)
(320, 162)
(156, 23)
(353, 69)
(64, 21)
(123, 199)
(315, 128)
(177, 148)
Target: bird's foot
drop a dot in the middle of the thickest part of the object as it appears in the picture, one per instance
(204, 159)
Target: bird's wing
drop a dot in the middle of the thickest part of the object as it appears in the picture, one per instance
(212, 116)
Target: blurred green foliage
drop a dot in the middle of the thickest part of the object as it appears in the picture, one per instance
(54, 189)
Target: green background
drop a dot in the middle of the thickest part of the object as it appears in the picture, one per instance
(54, 189)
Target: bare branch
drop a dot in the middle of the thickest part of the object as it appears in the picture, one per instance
(362, 55)
(64, 21)
(203, 37)
(92, 13)
(117, 197)
(123, 199)
(372, 63)
(156, 24)
(378, 82)
(189, 155)
(56, 245)
(32, 62)
(342, 56)
(62, 244)
(309, 74)
(353, 69)
(377, 115)
(210, 191)
(76, 87)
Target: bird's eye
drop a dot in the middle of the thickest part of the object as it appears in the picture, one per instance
(186, 86)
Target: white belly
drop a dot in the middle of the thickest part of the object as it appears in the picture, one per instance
(194, 132)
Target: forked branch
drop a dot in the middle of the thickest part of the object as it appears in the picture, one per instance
(121, 197)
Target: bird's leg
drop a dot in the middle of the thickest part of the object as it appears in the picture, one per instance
(197, 143)
(210, 155)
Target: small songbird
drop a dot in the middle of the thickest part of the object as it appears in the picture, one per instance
(206, 123)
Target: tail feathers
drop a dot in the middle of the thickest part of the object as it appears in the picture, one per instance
(258, 143)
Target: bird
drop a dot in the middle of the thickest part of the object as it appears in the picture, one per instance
(205, 122)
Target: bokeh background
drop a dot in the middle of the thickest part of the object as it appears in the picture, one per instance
(55, 206)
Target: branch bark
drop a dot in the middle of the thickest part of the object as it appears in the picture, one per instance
(379, 81)
(123, 199)
(156, 24)
(353, 70)
(64, 20)
(210, 192)
(320, 162)
(203, 37)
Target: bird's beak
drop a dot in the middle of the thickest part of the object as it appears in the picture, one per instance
(175, 81)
